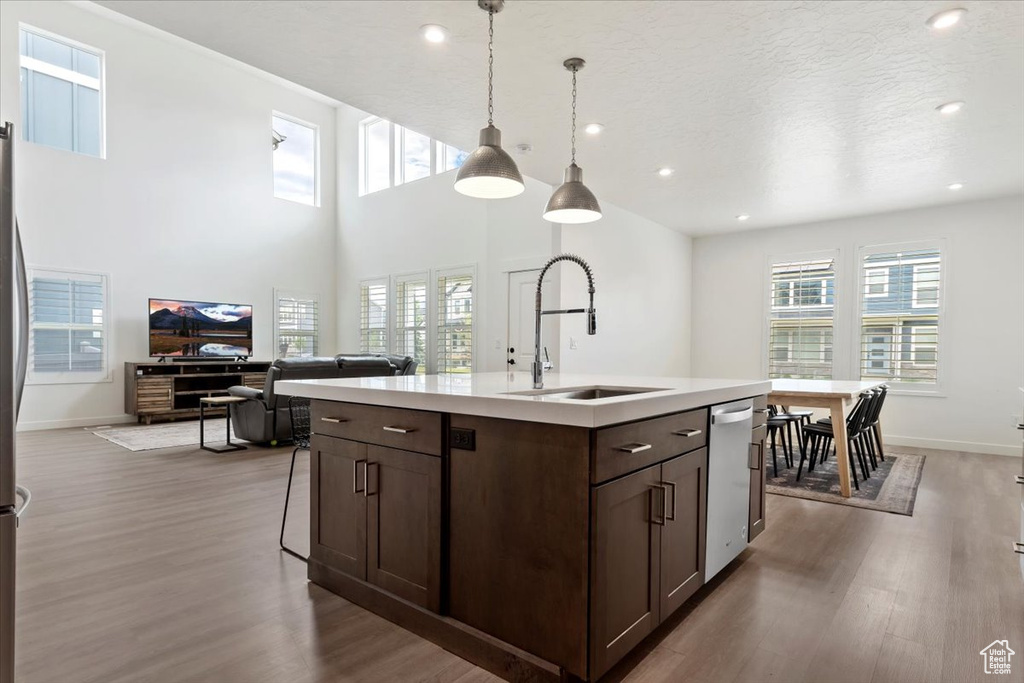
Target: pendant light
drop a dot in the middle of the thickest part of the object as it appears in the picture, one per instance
(572, 201)
(489, 172)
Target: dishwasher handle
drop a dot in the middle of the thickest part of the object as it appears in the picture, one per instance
(726, 417)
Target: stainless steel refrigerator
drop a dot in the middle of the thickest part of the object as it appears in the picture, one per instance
(13, 363)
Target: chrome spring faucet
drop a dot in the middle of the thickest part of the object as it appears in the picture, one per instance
(538, 365)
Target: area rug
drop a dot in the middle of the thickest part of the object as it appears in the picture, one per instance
(890, 488)
(169, 435)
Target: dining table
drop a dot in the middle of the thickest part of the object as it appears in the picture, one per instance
(835, 395)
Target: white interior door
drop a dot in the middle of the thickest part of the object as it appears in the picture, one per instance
(522, 287)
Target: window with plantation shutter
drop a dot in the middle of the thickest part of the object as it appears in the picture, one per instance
(454, 322)
(800, 321)
(297, 325)
(899, 338)
(68, 327)
(373, 316)
(411, 318)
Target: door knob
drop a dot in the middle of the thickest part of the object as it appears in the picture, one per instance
(511, 361)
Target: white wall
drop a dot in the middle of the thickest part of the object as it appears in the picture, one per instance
(643, 280)
(182, 207)
(982, 334)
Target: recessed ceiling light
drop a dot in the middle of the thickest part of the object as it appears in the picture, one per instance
(743, 217)
(434, 33)
(946, 18)
(593, 128)
(956, 186)
(665, 172)
(950, 107)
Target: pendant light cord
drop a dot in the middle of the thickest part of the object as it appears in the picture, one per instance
(490, 68)
(574, 116)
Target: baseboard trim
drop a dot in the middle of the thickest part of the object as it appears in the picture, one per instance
(76, 422)
(947, 445)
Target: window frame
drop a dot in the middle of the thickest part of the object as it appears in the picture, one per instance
(435, 275)
(34, 378)
(417, 276)
(364, 152)
(314, 297)
(384, 281)
(316, 158)
(71, 76)
(897, 387)
(398, 152)
(838, 324)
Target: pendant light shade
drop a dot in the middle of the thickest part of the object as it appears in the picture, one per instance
(572, 201)
(489, 172)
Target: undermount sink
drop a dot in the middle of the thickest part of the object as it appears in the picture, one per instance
(585, 393)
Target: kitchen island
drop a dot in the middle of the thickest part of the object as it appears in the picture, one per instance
(539, 534)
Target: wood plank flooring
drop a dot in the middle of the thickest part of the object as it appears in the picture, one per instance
(163, 566)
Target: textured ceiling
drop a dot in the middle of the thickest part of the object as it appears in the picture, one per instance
(787, 111)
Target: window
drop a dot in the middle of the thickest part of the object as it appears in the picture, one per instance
(61, 92)
(900, 332)
(373, 316)
(448, 158)
(876, 283)
(800, 324)
(68, 327)
(374, 155)
(391, 155)
(411, 318)
(297, 326)
(455, 322)
(296, 156)
(412, 155)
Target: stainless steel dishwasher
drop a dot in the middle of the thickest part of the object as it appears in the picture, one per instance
(728, 483)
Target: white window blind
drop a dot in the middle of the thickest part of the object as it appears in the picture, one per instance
(454, 322)
(411, 318)
(900, 327)
(373, 316)
(68, 325)
(801, 316)
(61, 92)
(297, 326)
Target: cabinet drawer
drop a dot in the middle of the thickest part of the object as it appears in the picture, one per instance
(760, 410)
(629, 447)
(410, 430)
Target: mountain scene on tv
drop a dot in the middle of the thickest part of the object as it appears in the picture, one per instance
(197, 328)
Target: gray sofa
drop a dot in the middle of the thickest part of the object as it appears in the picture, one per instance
(264, 417)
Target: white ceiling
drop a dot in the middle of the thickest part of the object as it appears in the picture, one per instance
(787, 111)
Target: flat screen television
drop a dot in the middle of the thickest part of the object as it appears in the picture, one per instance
(199, 329)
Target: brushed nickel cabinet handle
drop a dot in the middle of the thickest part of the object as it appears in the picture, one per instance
(1018, 547)
(355, 476)
(333, 420)
(761, 411)
(635, 447)
(670, 516)
(689, 432)
(399, 430)
(664, 497)
(366, 479)
(754, 461)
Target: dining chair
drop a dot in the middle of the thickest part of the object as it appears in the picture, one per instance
(821, 437)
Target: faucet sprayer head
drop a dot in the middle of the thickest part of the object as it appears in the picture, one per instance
(591, 321)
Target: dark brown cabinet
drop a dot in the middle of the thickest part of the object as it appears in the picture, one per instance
(403, 524)
(376, 516)
(647, 552)
(684, 535)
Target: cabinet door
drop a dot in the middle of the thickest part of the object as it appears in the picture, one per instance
(758, 472)
(154, 394)
(338, 505)
(625, 556)
(403, 492)
(684, 536)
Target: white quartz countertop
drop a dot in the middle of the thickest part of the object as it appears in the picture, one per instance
(488, 394)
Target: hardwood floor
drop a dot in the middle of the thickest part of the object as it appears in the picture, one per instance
(163, 566)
